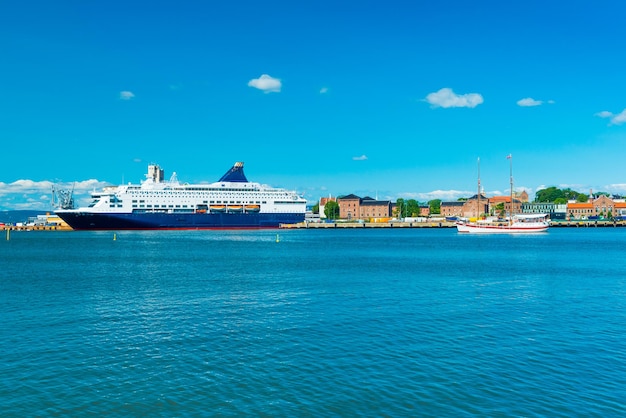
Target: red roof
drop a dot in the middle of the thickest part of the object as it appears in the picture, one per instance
(580, 205)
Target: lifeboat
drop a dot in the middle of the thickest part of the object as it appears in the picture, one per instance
(235, 208)
(217, 208)
(252, 208)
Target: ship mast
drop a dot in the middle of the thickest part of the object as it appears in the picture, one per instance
(510, 158)
(478, 194)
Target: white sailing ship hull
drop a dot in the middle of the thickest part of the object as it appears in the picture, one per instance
(514, 228)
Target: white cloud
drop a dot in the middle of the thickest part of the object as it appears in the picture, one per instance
(126, 95)
(447, 98)
(528, 102)
(616, 119)
(324, 90)
(616, 188)
(266, 83)
(619, 118)
(37, 195)
(360, 158)
(24, 187)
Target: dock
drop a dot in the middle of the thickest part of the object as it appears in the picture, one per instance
(441, 224)
(588, 224)
(35, 228)
(370, 225)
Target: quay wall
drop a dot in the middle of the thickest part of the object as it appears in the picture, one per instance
(443, 224)
(354, 225)
(35, 228)
(587, 224)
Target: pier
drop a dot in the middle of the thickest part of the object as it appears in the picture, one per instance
(370, 225)
(440, 224)
(588, 224)
(35, 228)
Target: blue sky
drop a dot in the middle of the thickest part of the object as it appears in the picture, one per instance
(386, 99)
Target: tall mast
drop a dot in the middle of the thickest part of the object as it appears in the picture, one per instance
(478, 194)
(510, 158)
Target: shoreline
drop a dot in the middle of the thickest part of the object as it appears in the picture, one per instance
(442, 224)
(364, 225)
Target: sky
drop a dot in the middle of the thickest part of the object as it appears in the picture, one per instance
(380, 99)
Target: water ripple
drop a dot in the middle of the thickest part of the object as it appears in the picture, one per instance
(325, 323)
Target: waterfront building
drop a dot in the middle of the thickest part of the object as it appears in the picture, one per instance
(506, 205)
(601, 207)
(466, 209)
(578, 210)
(554, 211)
(349, 206)
(452, 209)
(560, 211)
(620, 208)
(374, 209)
(538, 207)
(521, 196)
(353, 207)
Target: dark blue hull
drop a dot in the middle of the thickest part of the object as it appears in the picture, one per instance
(121, 221)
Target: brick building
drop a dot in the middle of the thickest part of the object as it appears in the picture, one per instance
(506, 202)
(353, 207)
(602, 206)
(466, 209)
(488, 205)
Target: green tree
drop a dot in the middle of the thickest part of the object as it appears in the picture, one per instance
(412, 207)
(316, 208)
(331, 210)
(582, 198)
(549, 195)
(570, 194)
(400, 208)
(435, 206)
(554, 194)
(500, 209)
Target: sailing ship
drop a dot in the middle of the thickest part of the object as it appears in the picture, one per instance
(516, 223)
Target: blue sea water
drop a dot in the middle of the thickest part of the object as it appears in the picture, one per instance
(383, 322)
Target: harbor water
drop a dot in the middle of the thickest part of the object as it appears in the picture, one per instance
(367, 322)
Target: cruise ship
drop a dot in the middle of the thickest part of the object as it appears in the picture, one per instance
(231, 202)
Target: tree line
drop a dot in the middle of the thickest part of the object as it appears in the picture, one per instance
(562, 196)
